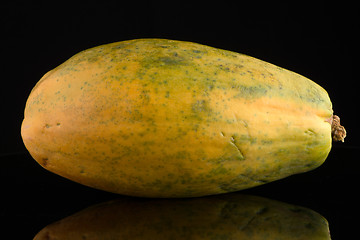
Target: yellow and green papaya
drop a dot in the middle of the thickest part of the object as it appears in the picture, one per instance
(165, 118)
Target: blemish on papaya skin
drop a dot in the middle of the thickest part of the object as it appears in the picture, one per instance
(200, 106)
(166, 61)
(44, 161)
(234, 143)
(250, 91)
(266, 142)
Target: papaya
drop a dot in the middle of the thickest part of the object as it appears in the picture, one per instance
(167, 118)
(227, 216)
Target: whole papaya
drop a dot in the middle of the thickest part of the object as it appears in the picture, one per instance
(165, 118)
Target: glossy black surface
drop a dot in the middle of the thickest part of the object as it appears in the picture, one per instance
(32, 197)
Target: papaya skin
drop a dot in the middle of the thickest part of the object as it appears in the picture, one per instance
(165, 118)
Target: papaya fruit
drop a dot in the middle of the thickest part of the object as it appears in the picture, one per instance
(167, 118)
(227, 216)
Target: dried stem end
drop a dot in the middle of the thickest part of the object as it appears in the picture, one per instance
(338, 132)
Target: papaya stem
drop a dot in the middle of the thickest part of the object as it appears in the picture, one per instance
(338, 132)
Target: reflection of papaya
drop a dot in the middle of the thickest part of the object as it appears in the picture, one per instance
(232, 216)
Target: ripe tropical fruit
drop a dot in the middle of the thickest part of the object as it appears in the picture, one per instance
(165, 118)
(227, 216)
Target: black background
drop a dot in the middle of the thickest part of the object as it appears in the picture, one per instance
(317, 39)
